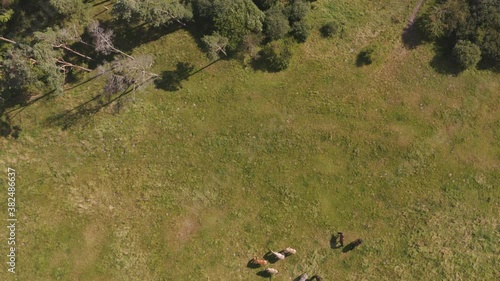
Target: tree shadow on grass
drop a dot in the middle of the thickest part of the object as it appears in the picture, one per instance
(443, 61)
(11, 105)
(81, 113)
(333, 242)
(171, 80)
(364, 57)
(412, 36)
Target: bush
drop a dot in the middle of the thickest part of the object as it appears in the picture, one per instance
(467, 54)
(330, 29)
(300, 31)
(298, 10)
(276, 23)
(277, 55)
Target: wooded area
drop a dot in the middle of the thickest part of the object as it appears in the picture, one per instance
(44, 43)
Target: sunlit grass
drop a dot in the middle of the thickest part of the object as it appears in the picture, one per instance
(191, 184)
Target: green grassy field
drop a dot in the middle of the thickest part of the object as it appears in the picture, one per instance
(191, 184)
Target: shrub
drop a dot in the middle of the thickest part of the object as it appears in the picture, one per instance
(298, 10)
(467, 54)
(300, 31)
(276, 23)
(277, 55)
(330, 29)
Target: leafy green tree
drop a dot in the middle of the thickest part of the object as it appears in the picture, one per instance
(215, 44)
(277, 55)
(475, 21)
(298, 10)
(68, 7)
(467, 54)
(487, 33)
(234, 19)
(300, 31)
(60, 38)
(52, 68)
(445, 19)
(103, 39)
(154, 12)
(276, 24)
(18, 71)
(5, 15)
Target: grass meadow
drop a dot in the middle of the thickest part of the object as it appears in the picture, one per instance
(191, 184)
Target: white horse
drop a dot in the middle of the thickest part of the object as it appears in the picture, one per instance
(279, 256)
(271, 271)
(289, 251)
(303, 277)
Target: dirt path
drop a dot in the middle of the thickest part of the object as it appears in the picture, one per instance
(411, 20)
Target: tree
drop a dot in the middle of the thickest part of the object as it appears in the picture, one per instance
(298, 10)
(103, 39)
(155, 12)
(445, 19)
(60, 38)
(276, 23)
(18, 71)
(300, 31)
(68, 7)
(41, 61)
(277, 55)
(234, 19)
(467, 54)
(487, 34)
(475, 21)
(250, 44)
(215, 44)
(51, 65)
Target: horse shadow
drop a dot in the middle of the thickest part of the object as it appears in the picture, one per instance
(270, 257)
(349, 247)
(264, 274)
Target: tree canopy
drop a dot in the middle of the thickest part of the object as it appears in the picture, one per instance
(475, 21)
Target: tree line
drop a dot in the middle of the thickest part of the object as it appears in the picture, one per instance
(44, 42)
(469, 30)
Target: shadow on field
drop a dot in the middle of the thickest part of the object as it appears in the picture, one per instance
(333, 242)
(270, 257)
(443, 61)
(351, 246)
(264, 274)
(251, 264)
(87, 109)
(412, 37)
(11, 105)
(171, 80)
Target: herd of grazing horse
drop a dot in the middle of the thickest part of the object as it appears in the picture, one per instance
(277, 256)
(273, 257)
